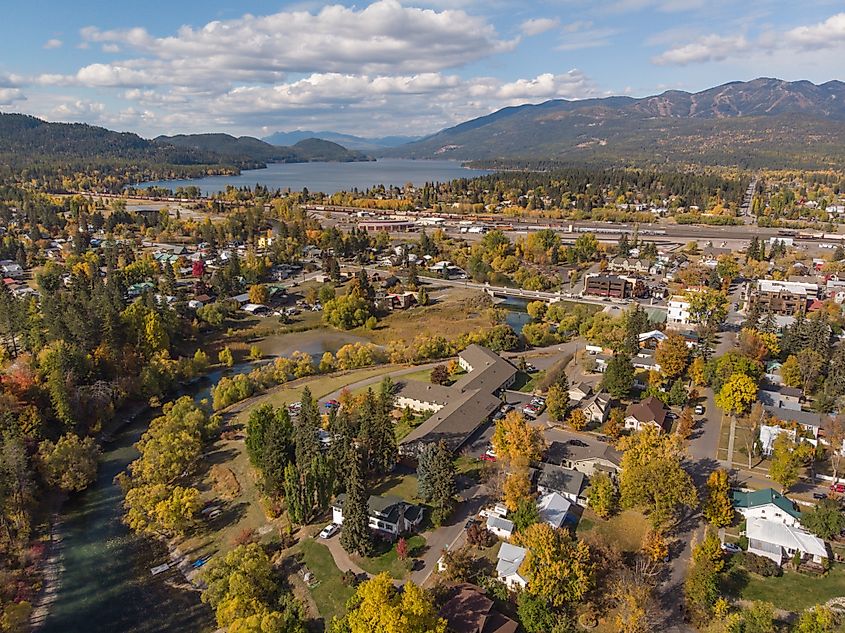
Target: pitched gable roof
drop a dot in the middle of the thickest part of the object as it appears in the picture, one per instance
(757, 498)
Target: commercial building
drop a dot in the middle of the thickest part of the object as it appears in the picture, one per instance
(614, 286)
(786, 298)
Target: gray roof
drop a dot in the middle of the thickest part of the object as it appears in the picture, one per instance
(425, 392)
(560, 451)
(510, 558)
(489, 370)
(560, 479)
(454, 423)
(801, 417)
(499, 523)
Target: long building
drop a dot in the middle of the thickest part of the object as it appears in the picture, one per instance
(786, 298)
(615, 286)
(458, 410)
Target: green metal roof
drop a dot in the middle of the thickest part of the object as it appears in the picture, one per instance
(763, 497)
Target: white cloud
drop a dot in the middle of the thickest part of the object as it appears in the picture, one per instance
(827, 34)
(535, 26)
(708, 48)
(8, 96)
(53, 43)
(384, 37)
(581, 35)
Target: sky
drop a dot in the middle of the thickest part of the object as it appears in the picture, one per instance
(387, 67)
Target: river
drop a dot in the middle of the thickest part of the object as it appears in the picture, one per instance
(106, 584)
(332, 177)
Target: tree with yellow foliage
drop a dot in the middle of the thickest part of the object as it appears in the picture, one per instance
(517, 486)
(577, 419)
(517, 441)
(558, 568)
(654, 546)
(380, 607)
(718, 508)
(672, 355)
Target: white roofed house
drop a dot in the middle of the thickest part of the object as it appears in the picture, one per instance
(779, 542)
(510, 558)
(500, 526)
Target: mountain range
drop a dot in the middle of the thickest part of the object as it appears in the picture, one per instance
(348, 141)
(248, 147)
(760, 123)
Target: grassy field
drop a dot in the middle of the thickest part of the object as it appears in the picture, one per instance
(453, 313)
(330, 594)
(626, 529)
(388, 561)
(398, 485)
(792, 591)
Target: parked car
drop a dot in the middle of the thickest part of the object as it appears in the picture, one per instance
(531, 369)
(331, 404)
(699, 409)
(838, 488)
(578, 443)
(731, 548)
(819, 495)
(329, 531)
(490, 452)
(487, 458)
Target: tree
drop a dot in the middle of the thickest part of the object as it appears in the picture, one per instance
(269, 444)
(525, 515)
(514, 440)
(380, 607)
(685, 423)
(440, 375)
(818, 619)
(672, 355)
(71, 463)
(678, 393)
(788, 457)
(759, 617)
(652, 476)
(436, 479)
(535, 614)
(259, 294)
(825, 520)
(751, 440)
(737, 394)
(557, 402)
(159, 509)
(654, 546)
(790, 372)
(835, 434)
(810, 364)
(577, 419)
(718, 509)
(459, 564)
(707, 307)
(347, 312)
(701, 587)
(422, 297)
(697, 372)
(517, 486)
(355, 536)
(618, 376)
(558, 569)
(602, 495)
(225, 357)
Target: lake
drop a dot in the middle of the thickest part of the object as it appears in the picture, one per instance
(332, 177)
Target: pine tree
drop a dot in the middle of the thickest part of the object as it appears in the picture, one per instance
(436, 479)
(305, 431)
(355, 536)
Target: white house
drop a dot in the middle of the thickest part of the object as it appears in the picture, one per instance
(779, 542)
(677, 312)
(554, 509)
(389, 515)
(507, 567)
(500, 526)
(766, 504)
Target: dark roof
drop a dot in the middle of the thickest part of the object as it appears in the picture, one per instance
(425, 392)
(649, 410)
(454, 423)
(489, 370)
(559, 452)
(808, 418)
(387, 507)
(468, 610)
(560, 479)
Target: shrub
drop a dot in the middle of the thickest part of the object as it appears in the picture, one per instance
(480, 536)
(760, 565)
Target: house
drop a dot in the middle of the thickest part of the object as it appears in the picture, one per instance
(11, 269)
(650, 340)
(590, 459)
(388, 515)
(509, 561)
(644, 359)
(256, 308)
(596, 408)
(563, 481)
(554, 509)
(649, 412)
(579, 391)
(766, 504)
(780, 397)
(467, 609)
(677, 311)
(769, 433)
(780, 542)
(500, 526)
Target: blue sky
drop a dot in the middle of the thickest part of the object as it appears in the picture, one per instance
(387, 67)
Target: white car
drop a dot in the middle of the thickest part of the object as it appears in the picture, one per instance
(330, 530)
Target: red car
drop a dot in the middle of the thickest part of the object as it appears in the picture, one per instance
(488, 458)
(839, 488)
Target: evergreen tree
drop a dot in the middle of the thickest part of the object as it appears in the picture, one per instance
(436, 476)
(618, 376)
(305, 430)
(269, 444)
(355, 536)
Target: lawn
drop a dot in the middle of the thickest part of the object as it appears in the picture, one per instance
(388, 561)
(792, 591)
(527, 383)
(454, 312)
(403, 486)
(625, 529)
(330, 594)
